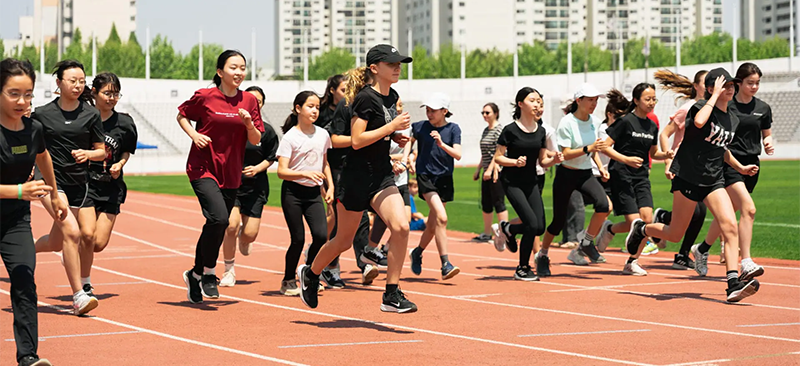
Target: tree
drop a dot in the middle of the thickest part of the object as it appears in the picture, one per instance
(660, 55)
(492, 63)
(332, 62)
(2, 49)
(189, 64)
(163, 60)
(28, 52)
(535, 59)
(76, 50)
(712, 48)
(113, 37)
(133, 59)
(423, 64)
(447, 63)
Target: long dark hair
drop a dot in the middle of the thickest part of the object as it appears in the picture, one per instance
(12, 67)
(299, 100)
(679, 84)
(64, 65)
(101, 80)
(259, 90)
(222, 59)
(637, 94)
(521, 95)
(747, 69)
(333, 83)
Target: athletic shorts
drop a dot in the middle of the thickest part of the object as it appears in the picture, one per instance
(250, 203)
(732, 176)
(629, 194)
(443, 185)
(356, 192)
(77, 195)
(406, 196)
(694, 192)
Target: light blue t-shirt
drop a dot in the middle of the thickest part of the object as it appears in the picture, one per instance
(575, 134)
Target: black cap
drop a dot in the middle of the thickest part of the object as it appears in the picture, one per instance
(712, 76)
(385, 53)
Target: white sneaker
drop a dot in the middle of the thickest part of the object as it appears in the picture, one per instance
(83, 304)
(369, 274)
(228, 279)
(577, 257)
(604, 237)
(633, 268)
(499, 238)
(290, 288)
(750, 270)
(700, 261)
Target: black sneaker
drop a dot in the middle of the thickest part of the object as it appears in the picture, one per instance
(662, 216)
(511, 240)
(374, 257)
(542, 265)
(416, 260)
(332, 278)
(88, 289)
(194, 292)
(682, 261)
(635, 236)
(309, 285)
(483, 238)
(741, 290)
(209, 286)
(396, 302)
(590, 250)
(34, 361)
(524, 273)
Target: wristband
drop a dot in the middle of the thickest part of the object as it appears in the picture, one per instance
(19, 191)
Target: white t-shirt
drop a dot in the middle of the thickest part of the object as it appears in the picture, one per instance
(551, 145)
(394, 148)
(305, 152)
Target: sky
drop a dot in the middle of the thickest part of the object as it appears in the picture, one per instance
(181, 20)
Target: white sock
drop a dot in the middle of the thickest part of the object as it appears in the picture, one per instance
(228, 265)
(543, 252)
(196, 276)
(209, 271)
(85, 280)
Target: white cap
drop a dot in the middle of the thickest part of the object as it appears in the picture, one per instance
(437, 101)
(587, 90)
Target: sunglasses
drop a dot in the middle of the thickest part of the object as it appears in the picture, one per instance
(485, 113)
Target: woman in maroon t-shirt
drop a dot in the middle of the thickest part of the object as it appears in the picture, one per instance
(226, 119)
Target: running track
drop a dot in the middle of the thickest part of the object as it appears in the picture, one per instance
(583, 315)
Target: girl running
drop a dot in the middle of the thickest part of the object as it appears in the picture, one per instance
(227, 119)
(74, 135)
(334, 93)
(367, 179)
(252, 195)
(755, 122)
(303, 166)
(632, 141)
(692, 92)
(107, 189)
(576, 136)
(492, 195)
(439, 144)
(698, 170)
(519, 140)
(22, 143)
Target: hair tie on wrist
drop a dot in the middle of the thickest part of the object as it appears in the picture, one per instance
(19, 191)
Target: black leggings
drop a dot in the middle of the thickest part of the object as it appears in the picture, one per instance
(527, 202)
(568, 180)
(689, 237)
(217, 204)
(298, 201)
(19, 257)
(492, 198)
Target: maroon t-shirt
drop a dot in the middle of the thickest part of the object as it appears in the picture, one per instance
(217, 117)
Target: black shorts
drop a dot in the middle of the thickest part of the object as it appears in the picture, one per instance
(732, 176)
(493, 197)
(106, 207)
(694, 192)
(443, 185)
(355, 191)
(629, 194)
(406, 196)
(250, 202)
(77, 195)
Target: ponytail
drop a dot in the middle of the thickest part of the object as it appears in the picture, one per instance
(617, 105)
(356, 80)
(572, 107)
(290, 122)
(679, 84)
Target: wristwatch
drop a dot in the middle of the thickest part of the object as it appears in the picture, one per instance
(586, 150)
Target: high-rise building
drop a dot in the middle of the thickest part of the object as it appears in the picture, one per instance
(764, 19)
(319, 25)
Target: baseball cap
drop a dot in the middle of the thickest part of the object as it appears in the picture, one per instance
(438, 101)
(385, 53)
(587, 90)
(712, 76)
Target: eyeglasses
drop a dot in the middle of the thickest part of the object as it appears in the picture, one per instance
(17, 95)
(485, 113)
(112, 95)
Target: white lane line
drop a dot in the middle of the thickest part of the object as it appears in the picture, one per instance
(81, 335)
(479, 296)
(767, 325)
(110, 284)
(713, 362)
(173, 337)
(349, 344)
(584, 333)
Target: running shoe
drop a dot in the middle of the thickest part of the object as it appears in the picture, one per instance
(449, 271)
(524, 273)
(193, 291)
(741, 290)
(228, 279)
(649, 249)
(396, 302)
(416, 260)
(633, 268)
(499, 238)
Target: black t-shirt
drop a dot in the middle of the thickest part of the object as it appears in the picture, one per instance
(701, 156)
(377, 110)
(18, 150)
(67, 131)
(340, 125)
(520, 143)
(325, 117)
(120, 137)
(753, 117)
(255, 154)
(633, 136)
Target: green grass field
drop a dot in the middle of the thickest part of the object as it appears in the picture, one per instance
(776, 233)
